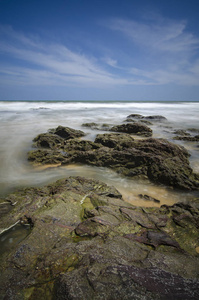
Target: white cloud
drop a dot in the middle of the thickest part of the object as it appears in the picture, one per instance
(161, 34)
(36, 62)
(51, 63)
(168, 51)
(111, 62)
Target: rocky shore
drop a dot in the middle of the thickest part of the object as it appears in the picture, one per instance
(84, 241)
(156, 159)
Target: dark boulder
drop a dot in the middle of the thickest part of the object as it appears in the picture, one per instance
(187, 138)
(148, 198)
(194, 130)
(67, 133)
(92, 125)
(115, 140)
(96, 126)
(181, 132)
(156, 118)
(45, 156)
(135, 116)
(48, 140)
(133, 128)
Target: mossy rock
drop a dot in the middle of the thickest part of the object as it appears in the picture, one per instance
(87, 243)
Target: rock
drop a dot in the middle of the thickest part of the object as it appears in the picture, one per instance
(196, 130)
(96, 126)
(181, 132)
(155, 118)
(138, 118)
(148, 198)
(115, 140)
(187, 138)
(48, 140)
(150, 118)
(67, 133)
(154, 238)
(87, 243)
(91, 125)
(134, 128)
(156, 159)
(43, 156)
(55, 139)
(183, 135)
(135, 116)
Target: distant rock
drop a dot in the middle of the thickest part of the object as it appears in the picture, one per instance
(181, 132)
(97, 126)
(187, 138)
(135, 116)
(157, 118)
(187, 135)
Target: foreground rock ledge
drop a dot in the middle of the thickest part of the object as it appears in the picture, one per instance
(156, 159)
(87, 243)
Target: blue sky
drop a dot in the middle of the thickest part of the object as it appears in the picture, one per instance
(99, 50)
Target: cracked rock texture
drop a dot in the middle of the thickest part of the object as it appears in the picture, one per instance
(87, 243)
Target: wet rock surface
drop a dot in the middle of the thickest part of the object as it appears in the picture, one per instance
(187, 138)
(136, 128)
(87, 243)
(153, 118)
(189, 135)
(133, 128)
(67, 132)
(93, 125)
(156, 159)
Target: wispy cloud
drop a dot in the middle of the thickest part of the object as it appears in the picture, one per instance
(170, 55)
(110, 61)
(50, 63)
(159, 34)
(169, 52)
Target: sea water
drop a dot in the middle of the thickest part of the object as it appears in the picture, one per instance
(21, 121)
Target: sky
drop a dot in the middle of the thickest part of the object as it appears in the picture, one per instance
(99, 50)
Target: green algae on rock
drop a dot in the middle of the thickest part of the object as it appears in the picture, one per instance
(133, 128)
(87, 243)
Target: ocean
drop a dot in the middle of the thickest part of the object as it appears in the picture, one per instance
(21, 121)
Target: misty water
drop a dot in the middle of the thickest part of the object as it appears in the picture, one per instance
(22, 121)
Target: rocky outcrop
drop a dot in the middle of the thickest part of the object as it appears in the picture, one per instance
(148, 198)
(187, 138)
(87, 243)
(153, 118)
(133, 128)
(136, 128)
(156, 159)
(93, 125)
(48, 140)
(187, 135)
(67, 132)
(117, 141)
